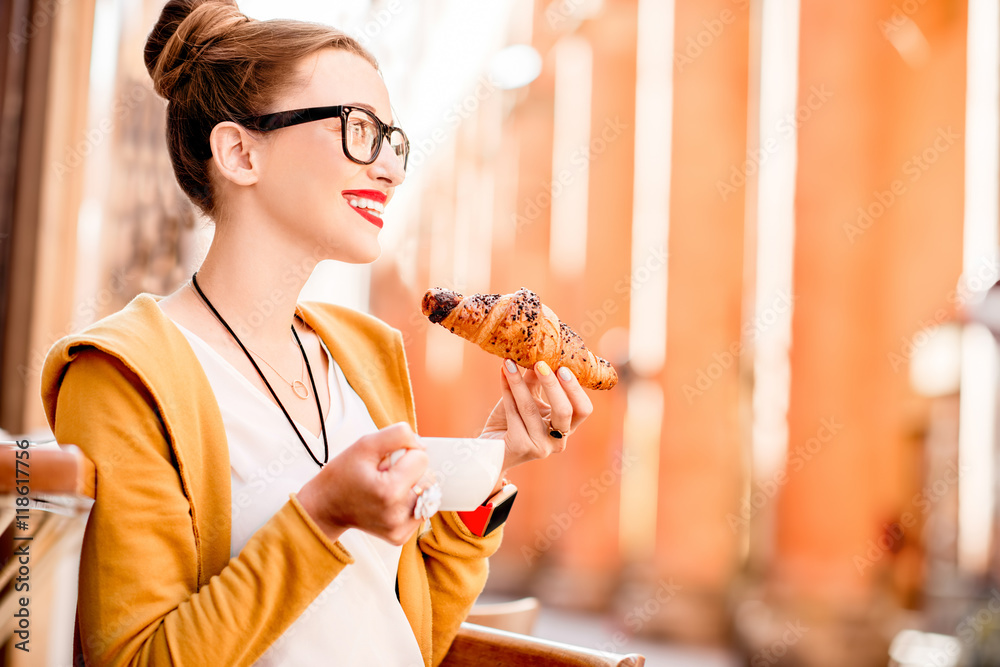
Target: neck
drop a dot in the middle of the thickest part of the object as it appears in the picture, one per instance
(254, 281)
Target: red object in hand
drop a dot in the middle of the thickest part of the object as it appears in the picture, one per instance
(491, 514)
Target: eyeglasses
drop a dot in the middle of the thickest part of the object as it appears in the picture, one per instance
(362, 135)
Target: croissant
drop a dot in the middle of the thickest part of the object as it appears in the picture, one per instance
(518, 326)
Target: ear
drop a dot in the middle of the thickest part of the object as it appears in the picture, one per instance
(235, 152)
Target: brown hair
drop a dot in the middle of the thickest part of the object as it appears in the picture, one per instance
(212, 64)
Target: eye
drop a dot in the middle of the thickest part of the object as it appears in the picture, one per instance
(361, 131)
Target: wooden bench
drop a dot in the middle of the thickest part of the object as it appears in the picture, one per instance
(478, 646)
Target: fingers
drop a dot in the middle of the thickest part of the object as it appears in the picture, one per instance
(525, 404)
(514, 422)
(391, 443)
(352, 491)
(409, 469)
(401, 456)
(405, 474)
(387, 440)
(394, 490)
(560, 408)
(577, 397)
(568, 402)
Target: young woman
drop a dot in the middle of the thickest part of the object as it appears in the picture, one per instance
(249, 508)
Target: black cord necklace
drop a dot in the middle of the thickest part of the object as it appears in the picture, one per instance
(319, 408)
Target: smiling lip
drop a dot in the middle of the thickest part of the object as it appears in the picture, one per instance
(369, 204)
(374, 195)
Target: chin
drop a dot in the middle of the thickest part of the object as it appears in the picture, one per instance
(368, 259)
(356, 254)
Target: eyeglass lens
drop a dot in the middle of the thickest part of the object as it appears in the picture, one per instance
(363, 137)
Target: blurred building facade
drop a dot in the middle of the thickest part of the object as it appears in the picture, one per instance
(756, 210)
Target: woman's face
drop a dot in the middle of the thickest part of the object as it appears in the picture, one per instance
(319, 197)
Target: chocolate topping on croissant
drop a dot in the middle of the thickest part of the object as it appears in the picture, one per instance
(438, 303)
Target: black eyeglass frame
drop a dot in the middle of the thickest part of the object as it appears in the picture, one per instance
(280, 119)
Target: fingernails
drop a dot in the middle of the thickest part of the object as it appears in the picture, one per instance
(543, 368)
(510, 366)
(565, 374)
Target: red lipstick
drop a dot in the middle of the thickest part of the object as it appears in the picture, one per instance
(374, 195)
(369, 204)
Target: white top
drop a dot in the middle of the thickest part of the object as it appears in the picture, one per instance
(357, 619)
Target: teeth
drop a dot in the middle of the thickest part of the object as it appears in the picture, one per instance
(367, 204)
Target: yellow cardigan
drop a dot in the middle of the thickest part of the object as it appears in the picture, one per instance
(157, 584)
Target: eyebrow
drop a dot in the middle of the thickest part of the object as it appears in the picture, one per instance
(369, 107)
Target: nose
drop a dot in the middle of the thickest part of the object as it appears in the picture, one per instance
(387, 167)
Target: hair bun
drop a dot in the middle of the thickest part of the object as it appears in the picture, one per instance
(184, 29)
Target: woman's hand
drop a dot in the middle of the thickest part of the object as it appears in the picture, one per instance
(532, 406)
(359, 489)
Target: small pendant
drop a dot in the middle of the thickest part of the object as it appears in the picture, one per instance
(300, 389)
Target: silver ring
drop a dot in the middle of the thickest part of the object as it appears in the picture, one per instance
(428, 501)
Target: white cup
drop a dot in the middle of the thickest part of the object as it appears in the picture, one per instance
(466, 468)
